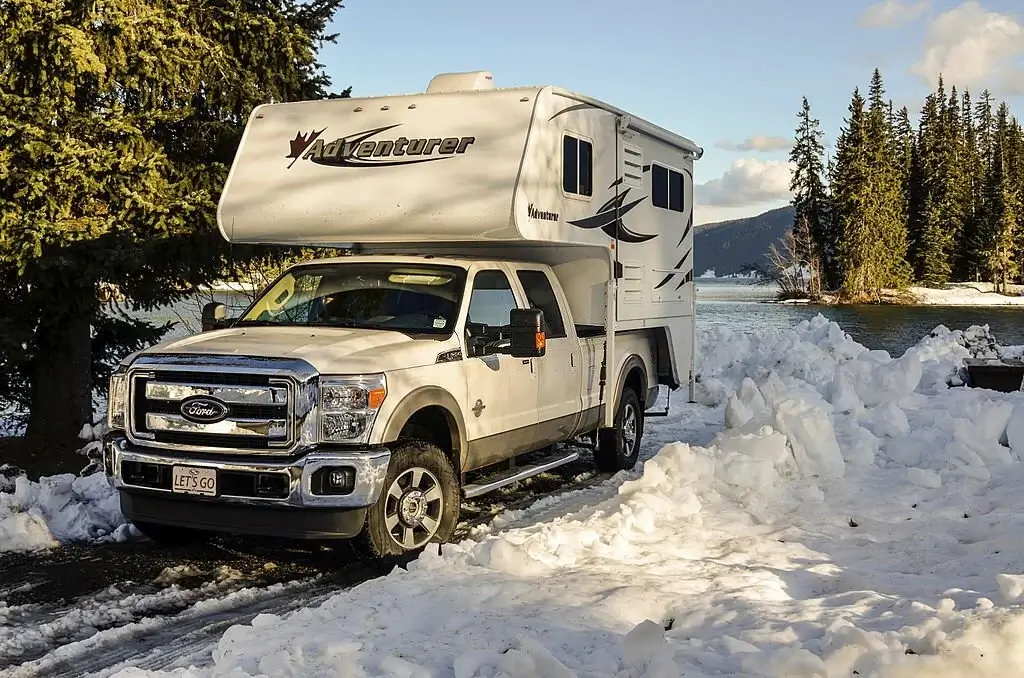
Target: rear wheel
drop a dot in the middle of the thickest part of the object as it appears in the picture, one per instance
(619, 448)
(170, 535)
(418, 505)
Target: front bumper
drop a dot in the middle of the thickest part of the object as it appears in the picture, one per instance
(290, 482)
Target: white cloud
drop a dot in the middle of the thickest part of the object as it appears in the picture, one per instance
(972, 46)
(761, 143)
(892, 13)
(748, 181)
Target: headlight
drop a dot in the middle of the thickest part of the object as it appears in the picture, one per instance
(117, 401)
(349, 406)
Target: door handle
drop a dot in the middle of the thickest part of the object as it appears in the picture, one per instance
(526, 362)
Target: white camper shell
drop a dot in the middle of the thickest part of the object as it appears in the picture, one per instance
(584, 210)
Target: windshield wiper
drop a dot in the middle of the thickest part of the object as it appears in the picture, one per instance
(347, 324)
(266, 323)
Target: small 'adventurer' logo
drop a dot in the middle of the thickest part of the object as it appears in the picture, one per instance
(535, 213)
(203, 410)
(362, 150)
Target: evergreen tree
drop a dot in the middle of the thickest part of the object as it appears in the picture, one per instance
(1004, 210)
(931, 235)
(848, 184)
(810, 197)
(111, 168)
(887, 233)
(903, 134)
(968, 260)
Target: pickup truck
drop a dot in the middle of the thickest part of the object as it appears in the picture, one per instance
(356, 394)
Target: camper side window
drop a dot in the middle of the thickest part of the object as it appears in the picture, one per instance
(577, 166)
(666, 188)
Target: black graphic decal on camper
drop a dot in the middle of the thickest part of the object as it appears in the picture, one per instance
(574, 107)
(361, 150)
(605, 219)
(677, 269)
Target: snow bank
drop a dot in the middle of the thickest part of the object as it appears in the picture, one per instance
(856, 516)
(62, 508)
(968, 294)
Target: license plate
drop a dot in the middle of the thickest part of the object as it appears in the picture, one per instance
(194, 480)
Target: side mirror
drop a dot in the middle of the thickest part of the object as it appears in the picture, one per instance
(527, 333)
(215, 316)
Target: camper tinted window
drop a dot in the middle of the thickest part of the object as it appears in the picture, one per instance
(491, 300)
(577, 166)
(666, 188)
(541, 295)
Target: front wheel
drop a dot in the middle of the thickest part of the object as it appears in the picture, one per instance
(619, 448)
(419, 504)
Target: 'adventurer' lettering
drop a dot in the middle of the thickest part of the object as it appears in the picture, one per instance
(361, 150)
(535, 213)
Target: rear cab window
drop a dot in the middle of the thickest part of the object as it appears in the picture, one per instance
(541, 295)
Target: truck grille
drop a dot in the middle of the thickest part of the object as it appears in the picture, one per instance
(237, 412)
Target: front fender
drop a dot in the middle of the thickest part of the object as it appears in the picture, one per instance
(423, 397)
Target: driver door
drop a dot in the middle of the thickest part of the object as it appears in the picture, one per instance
(502, 391)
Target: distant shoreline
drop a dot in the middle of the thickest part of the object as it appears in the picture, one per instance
(952, 295)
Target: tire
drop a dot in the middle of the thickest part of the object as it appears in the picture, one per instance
(407, 516)
(170, 536)
(618, 449)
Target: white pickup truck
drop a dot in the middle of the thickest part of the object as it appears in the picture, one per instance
(520, 276)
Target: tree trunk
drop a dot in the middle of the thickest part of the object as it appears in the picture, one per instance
(61, 395)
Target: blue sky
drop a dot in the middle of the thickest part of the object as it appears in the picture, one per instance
(728, 74)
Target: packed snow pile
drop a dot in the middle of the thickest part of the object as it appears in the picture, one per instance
(857, 515)
(61, 508)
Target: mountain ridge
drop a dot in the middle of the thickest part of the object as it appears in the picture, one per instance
(727, 246)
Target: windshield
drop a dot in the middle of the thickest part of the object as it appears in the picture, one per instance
(385, 296)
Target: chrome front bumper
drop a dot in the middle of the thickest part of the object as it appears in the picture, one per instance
(370, 468)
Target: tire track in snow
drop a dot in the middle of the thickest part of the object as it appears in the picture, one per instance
(189, 633)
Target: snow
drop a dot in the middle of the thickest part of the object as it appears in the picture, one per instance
(967, 294)
(62, 508)
(856, 514)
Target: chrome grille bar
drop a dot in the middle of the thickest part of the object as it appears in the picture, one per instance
(264, 428)
(234, 395)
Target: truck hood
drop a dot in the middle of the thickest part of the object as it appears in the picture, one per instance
(329, 350)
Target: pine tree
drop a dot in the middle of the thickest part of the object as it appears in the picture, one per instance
(930, 226)
(110, 168)
(810, 198)
(968, 261)
(887, 233)
(849, 202)
(1002, 198)
(903, 134)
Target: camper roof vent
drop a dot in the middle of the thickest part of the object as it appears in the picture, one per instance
(460, 82)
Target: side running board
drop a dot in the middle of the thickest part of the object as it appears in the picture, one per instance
(513, 475)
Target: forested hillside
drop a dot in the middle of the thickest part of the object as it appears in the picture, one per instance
(931, 201)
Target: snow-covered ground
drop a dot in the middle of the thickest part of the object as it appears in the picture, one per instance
(968, 294)
(711, 275)
(61, 508)
(853, 515)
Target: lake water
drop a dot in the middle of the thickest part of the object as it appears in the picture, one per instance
(741, 305)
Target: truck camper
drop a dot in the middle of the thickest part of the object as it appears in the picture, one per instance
(519, 276)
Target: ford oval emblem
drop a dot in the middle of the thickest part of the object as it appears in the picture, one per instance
(203, 409)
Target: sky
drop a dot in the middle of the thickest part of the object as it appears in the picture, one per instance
(728, 74)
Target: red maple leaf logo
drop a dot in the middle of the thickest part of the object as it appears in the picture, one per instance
(300, 143)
